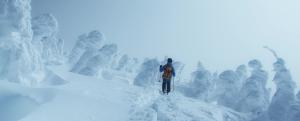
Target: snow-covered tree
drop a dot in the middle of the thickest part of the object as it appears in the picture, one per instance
(98, 61)
(123, 62)
(148, 73)
(20, 61)
(133, 65)
(293, 113)
(242, 73)
(285, 95)
(83, 60)
(298, 96)
(45, 29)
(200, 84)
(44, 25)
(86, 43)
(281, 107)
(227, 87)
(254, 97)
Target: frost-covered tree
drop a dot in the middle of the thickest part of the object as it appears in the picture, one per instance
(86, 44)
(284, 95)
(133, 65)
(99, 61)
(298, 96)
(254, 97)
(20, 61)
(123, 62)
(45, 29)
(242, 74)
(293, 113)
(148, 73)
(200, 83)
(83, 60)
(227, 87)
(44, 25)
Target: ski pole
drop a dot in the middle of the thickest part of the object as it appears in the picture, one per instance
(159, 76)
(173, 84)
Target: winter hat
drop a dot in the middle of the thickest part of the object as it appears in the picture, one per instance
(170, 60)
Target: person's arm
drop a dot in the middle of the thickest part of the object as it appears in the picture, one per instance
(161, 68)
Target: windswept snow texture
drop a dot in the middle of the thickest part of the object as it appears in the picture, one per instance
(20, 61)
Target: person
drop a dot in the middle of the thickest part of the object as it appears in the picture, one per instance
(168, 72)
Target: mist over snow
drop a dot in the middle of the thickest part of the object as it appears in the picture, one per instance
(55, 68)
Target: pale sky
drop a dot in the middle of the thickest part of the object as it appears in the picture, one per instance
(220, 33)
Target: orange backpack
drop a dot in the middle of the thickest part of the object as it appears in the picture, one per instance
(167, 72)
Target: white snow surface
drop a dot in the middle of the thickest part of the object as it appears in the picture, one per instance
(84, 98)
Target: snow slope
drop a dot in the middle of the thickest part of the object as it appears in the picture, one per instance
(17, 101)
(153, 106)
(83, 98)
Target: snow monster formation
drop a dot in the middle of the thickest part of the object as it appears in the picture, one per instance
(200, 84)
(99, 61)
(227, 86)
(127, 64)
(148, 74)
(89, 56)
(242, 73)
(20, 61)
(254, 97)
(294, 110)
(87, 45)
(284, 106)
(45, 29)
(285, 93)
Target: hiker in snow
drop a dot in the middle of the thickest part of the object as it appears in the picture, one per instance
(168, 72)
